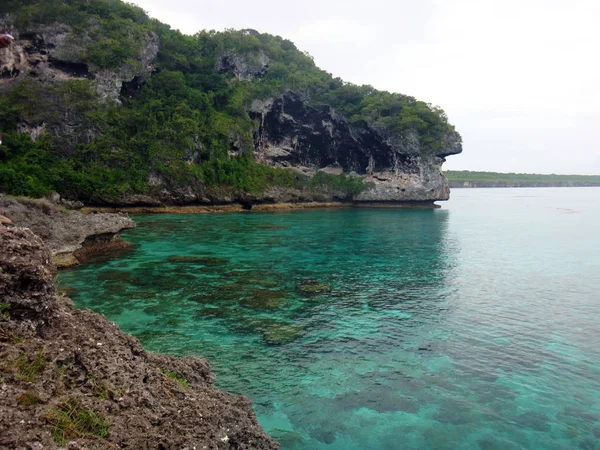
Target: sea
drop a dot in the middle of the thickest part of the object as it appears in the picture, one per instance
(473, 326)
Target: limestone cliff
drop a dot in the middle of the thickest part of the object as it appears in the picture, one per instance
(219, 96)
(54, 52)
(71, 379)
(294, 134)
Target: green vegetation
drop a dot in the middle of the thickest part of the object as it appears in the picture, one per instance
(105, 391)
(176, 377)
(351, 184)
(27, 399)
(70, 420)
(188, 125)
(29, 368)
(4, 311)
(117, 29)
(466, 175)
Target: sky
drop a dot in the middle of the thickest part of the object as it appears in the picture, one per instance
(518, 78)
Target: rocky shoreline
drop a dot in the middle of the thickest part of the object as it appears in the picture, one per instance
(264, 207)
(75, 236)
(71, 237)
(69, 378)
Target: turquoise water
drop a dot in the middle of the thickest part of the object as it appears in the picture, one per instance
(476, 326)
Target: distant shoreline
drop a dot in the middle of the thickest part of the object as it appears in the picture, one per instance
(471, 179)
(460, 184)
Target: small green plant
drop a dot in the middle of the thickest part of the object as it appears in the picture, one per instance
(70, 420)
(4, 311)
(27, 399)
(105, 391)
(175, 376)
(102, 390)
(16, 338)
(28, 369)
(60, 372)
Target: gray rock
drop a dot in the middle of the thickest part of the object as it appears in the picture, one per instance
(294, 134)
(54, 53)
(245, 67)
(65, 232)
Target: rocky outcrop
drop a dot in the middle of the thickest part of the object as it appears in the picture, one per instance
(246, 67)
(54, 53)
(71, 236)
(69, 378)
(295, 134)
(45, 58)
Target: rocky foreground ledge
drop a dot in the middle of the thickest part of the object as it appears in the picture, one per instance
(71, 237)
(69, 378)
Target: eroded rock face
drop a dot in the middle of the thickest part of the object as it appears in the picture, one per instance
(70, 235)
(25, 275)
(53, 357)
(292, 133)
(246, 67)
(54, 53)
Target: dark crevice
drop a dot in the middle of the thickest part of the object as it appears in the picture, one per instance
(130, 88)
(5, 73)
(28, 36)
(78, 70)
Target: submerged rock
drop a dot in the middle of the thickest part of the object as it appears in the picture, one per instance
(534, 420)
(58, 363)
(198, 260)
(283, 334)
(313, 287)
(265, 299)
(289, 439)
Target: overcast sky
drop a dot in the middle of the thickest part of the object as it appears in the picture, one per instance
(520, 79)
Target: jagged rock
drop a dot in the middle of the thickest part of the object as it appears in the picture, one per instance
(292, 133)
(54, 357)
(70, 235)
(246, 67)
(25, 275)
(54, 53)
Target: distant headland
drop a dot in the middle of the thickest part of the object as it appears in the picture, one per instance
(471, 179)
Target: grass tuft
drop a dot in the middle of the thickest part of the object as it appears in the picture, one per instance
(4, 311)
(175, 376)
(27, 399)
(105, 391)
(29, 369)
(70, 420)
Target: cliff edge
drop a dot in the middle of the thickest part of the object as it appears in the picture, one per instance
(71, 237)
(69, 378)
(108, 107)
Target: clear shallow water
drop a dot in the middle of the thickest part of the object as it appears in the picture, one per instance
(473, 326)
